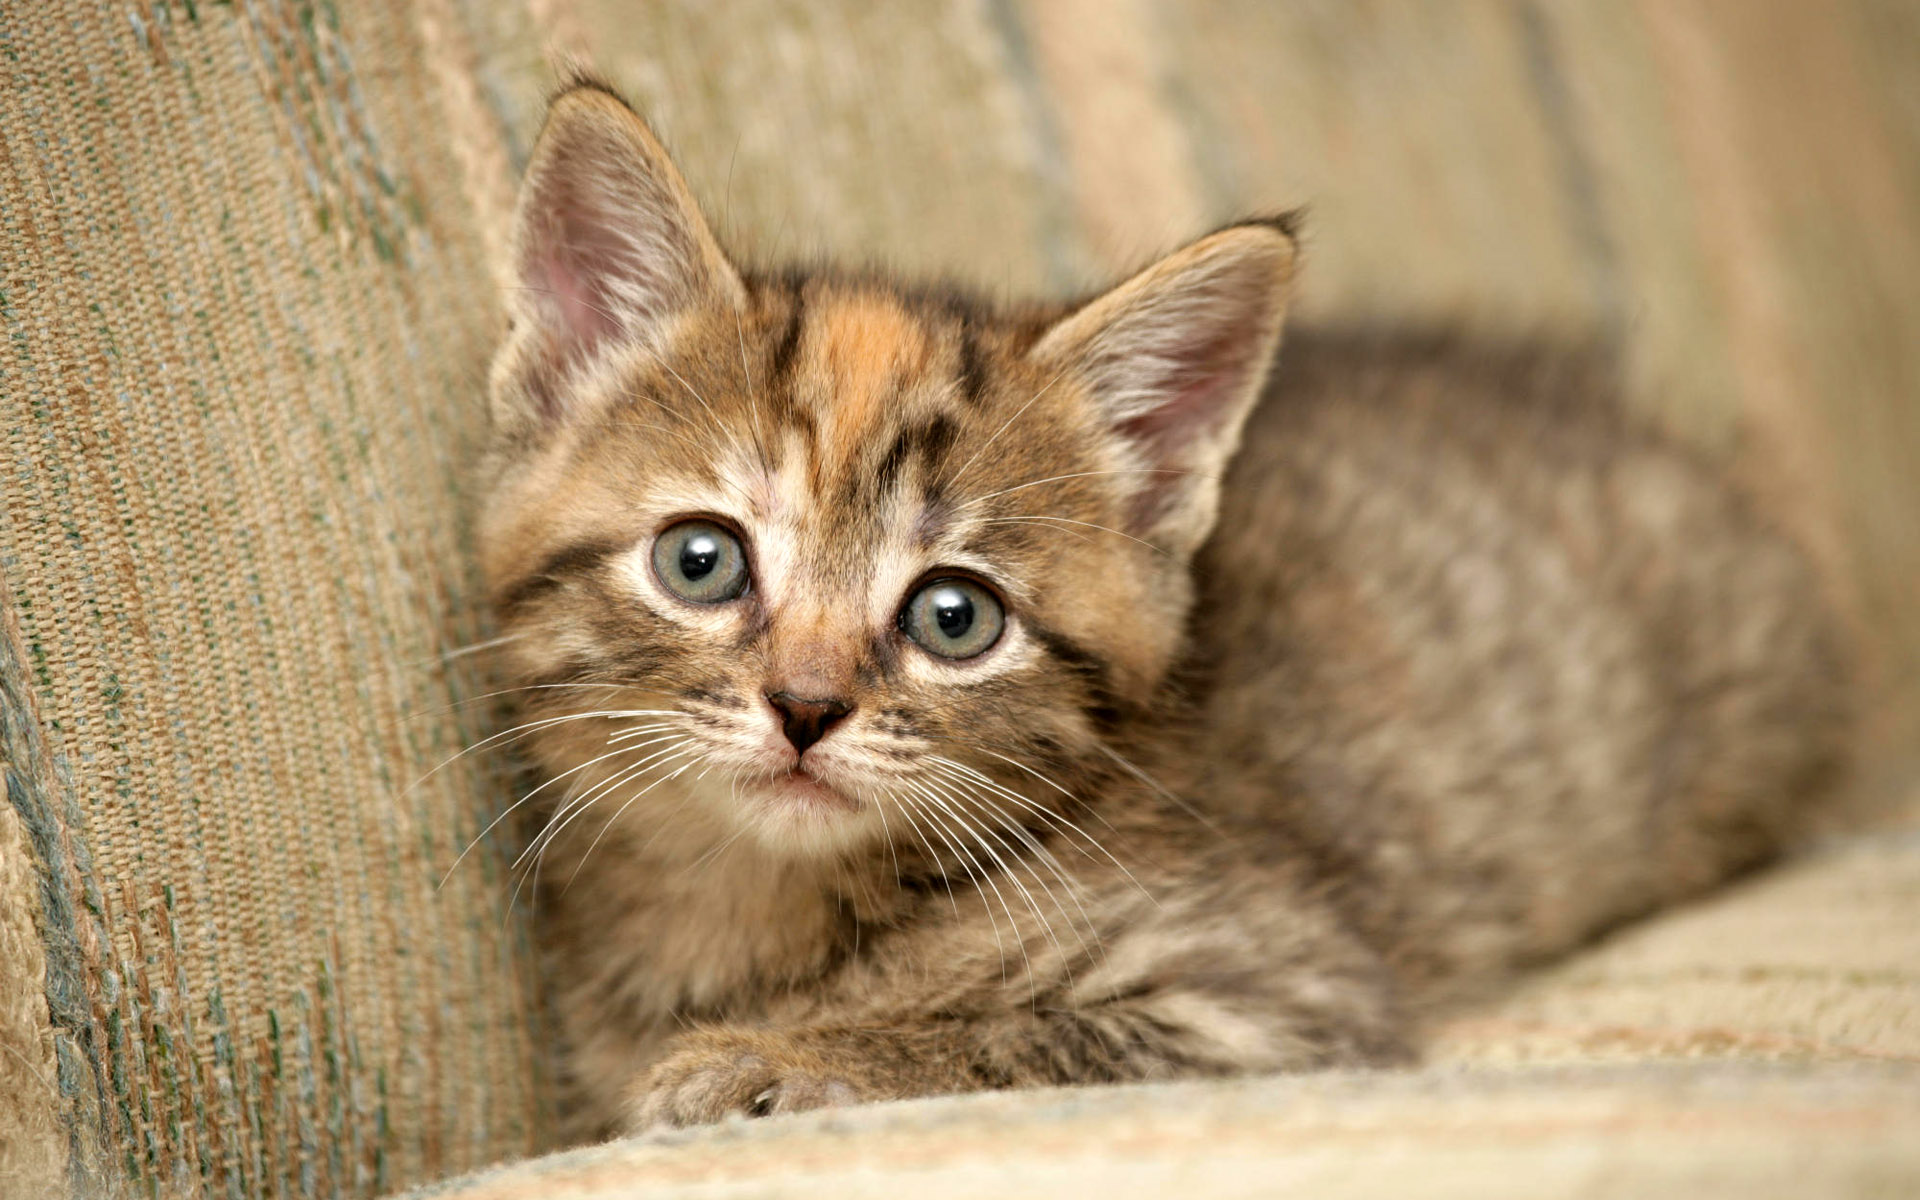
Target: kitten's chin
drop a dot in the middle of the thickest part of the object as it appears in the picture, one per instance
(796, 813)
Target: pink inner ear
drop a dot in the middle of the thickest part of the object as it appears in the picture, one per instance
(1201, 382)
(584, 322)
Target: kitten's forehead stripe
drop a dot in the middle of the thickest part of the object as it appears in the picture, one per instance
(783, 350)
(863, 348)
(922, 442)
(973, 369)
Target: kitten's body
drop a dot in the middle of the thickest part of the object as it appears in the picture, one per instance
(1509, 668)
(1476, 670)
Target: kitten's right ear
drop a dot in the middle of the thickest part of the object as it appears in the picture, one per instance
(1174, 358)
(608, 250)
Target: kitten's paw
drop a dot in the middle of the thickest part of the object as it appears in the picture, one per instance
(711, 1075)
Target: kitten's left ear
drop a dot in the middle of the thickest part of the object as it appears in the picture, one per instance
(608, 248)
(1174, 358)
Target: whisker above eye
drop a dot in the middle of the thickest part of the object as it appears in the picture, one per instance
(713, 417)
(964, 467)
(1038, 524)
(1033, 483)
(680, 436)
(753, 406)
(1030, 517)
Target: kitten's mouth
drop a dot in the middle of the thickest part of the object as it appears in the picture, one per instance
(801, 788)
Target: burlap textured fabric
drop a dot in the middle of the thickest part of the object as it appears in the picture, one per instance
(247, 298)
(246, 290)
(33, 1146)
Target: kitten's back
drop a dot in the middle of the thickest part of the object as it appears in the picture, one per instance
(1516, 668)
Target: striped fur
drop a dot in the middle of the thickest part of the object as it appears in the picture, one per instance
(1107, 848)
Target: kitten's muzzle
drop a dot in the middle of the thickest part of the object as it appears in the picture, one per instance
(806, 721)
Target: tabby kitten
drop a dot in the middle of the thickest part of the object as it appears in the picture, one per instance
(922, 712)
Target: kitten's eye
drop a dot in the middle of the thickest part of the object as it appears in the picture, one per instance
(953, 618)
(700, 561)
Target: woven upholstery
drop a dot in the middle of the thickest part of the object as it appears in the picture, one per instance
(1747, 1131)
(247, 298)
(248, 258)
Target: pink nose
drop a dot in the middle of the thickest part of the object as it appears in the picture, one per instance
(806, 721)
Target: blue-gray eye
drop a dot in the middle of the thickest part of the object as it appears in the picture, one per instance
(701, 561)
(953, 618)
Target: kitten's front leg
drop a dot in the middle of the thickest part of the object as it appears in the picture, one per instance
(711, 1074)
(1187, 990)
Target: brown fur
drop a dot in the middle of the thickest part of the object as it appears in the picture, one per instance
(1470, 671)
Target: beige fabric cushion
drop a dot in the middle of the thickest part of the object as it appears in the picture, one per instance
(1657, 1130)
(1817, 961)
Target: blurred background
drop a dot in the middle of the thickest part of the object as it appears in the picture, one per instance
(250, 271)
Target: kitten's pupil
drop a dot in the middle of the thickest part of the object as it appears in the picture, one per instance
(953, 612)
(699, 554)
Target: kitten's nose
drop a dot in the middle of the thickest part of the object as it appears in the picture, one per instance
(807, 721)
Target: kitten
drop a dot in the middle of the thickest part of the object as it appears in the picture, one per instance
(922, 712)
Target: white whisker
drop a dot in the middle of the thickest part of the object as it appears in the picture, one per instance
(531, 727)
(1029, 518)
(914, 827)
(979, 874)
(1039, 851)
(1166, 795)
(1032, 483)
(446, 656)
(676, 773)
(953, 809)
(1009, 421)
(574, 809)
(713, 855)
(574, 806)
(886, 831)
(536, 790)
(530, 687)
(1046, 814)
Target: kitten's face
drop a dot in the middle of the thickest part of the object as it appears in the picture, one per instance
(846, 566)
